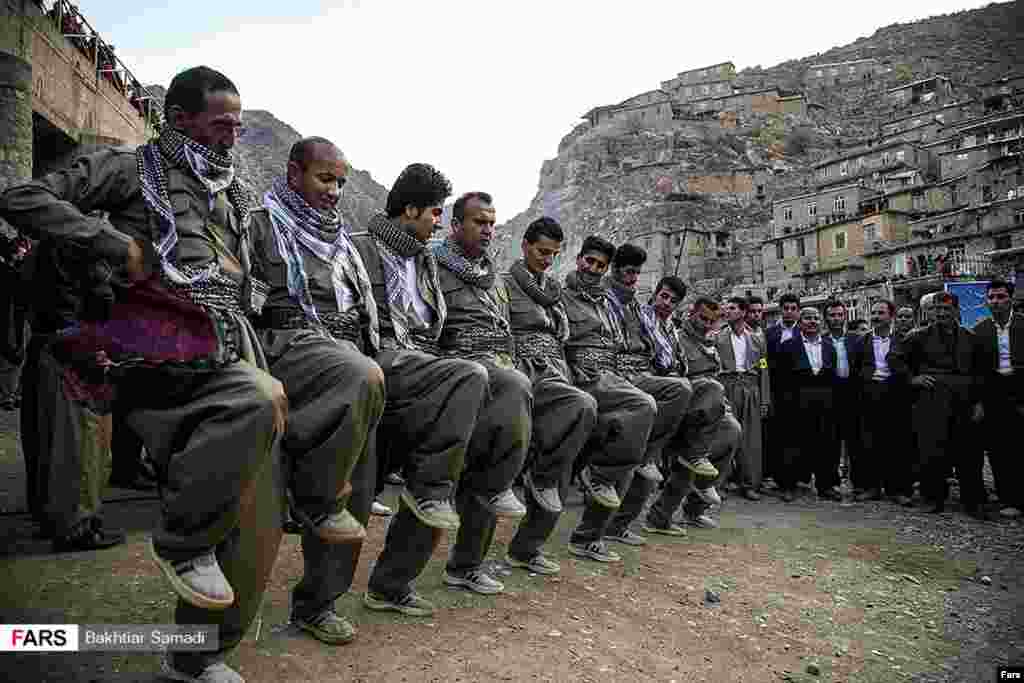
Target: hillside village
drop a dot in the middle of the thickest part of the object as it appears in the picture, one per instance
(885, 172)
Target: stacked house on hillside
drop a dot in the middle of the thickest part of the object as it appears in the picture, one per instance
(938, 196)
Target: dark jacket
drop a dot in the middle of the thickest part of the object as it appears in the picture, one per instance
(795, 367)
(924, 351)
(988, 353)
(862, 360)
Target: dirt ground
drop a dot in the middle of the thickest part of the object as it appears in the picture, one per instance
(810, 591)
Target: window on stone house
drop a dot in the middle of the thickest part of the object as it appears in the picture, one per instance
(839, 241)
(787, 213)
(900, 155)
(885, 158)
(819, 73)
(839, 204)
(812, 210)
(853, 69)
(843, 168)
(1018, 218)
(780, 251)
(833, 71)
(871, 232)
(961, 157)
(953, 195)
(1003, 242)
(986, 193)
(801, 248)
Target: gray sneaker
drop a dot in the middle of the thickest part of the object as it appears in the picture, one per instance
(538, 564)
(198, 581)
(650, 472)
(708, 495)
(670, 530)
(548, 499)
(595, 550)
(505, 504)
(701, 466)
(438, 514)
(339, 527)
(603, 494)
(626, 536)
(476, 580)
(217, 672)
(409, 604)
(701, 521)
(327, 627)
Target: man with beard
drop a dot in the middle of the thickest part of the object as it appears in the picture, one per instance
(477, 328)
(777, 430)
(432, 403)
(754, 316)
(943, 362)
(885, 461)
(172, 333)
(1001, 339)
(807, 366)
(709, 432)
(904, 321)
(641, 355)
(563, 415)
(319, 322)
(625, 414)
(846, 413)
(745, 378)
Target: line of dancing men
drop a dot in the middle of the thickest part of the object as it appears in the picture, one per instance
(275, 363)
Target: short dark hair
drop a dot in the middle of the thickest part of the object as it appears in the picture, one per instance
(834, 303)
(754, 299)
(674, 283)
(888, 304)
(599, 244)
(189, 89)
(629, 255)
(303, 150)
(739, 301)
(1000, 284)
(858, 322)
(544, 227)
(459, 209)
(707, 301)
(789, 298)
(418, 186)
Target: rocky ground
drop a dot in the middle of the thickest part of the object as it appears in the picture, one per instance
(811, 591)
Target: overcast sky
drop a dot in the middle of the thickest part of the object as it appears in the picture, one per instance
(482, 90)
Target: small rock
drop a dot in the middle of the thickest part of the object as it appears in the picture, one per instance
(986, 580)
(813, 669)
(711, 597)
(555, 634)
(912, 579)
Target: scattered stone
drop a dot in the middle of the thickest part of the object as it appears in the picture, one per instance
(912, 579)
(555, 634)
(986, 580)
(813, 669)
(711, 597)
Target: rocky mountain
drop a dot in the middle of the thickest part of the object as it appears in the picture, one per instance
(262, 154)
(627, 180)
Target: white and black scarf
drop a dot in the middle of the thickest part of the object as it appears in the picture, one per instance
(546, 293)
(591, 288)
(325, 236)
(216, 172)
(397, 246)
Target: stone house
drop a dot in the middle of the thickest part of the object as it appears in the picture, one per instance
(807, 211)
(842, 73)
(652, 109)
(707, 81)
(931, 91)
(872, 163)
(975, 142)
(1003, 93)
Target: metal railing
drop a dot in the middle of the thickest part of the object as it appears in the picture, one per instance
(106, 65)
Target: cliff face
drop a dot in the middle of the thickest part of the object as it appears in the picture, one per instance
(262, 154)
(717, 176)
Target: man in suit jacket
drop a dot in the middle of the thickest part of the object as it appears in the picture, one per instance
(943, 363)
(886, 456)
(807, 368)
(1001, 344)
(846, 415)
(777, 430)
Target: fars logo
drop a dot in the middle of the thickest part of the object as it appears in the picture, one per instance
(38, 637)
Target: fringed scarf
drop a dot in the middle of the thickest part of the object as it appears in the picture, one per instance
(325, 236)
(591, 288)
(619, 299)
(478, 272)
(661, 333)
(214, 171)
(547, 293)
(397, 246)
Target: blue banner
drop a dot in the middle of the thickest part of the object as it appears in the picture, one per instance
(973, 308)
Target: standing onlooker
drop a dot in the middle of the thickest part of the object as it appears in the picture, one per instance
(745, 378)
(904, 321)
(1001, 339)
(807, 366)
(942, 361)
(885, 458)
(846, 414)
(777, 428)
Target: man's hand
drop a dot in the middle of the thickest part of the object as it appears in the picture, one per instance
(923, 382)
(978, 414)
(135, 265)
(280, 408)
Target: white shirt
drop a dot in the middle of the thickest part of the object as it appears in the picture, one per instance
(739, 350)
(881, 348)
(1003, 344)
(813, 349)
(787, 333)
(842, 362)
(420, 306)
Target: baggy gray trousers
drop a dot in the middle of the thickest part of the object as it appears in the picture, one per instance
(673, 396)
(430, 414)
(497, 452)
(563, 418)
(625, 418)
(335, 401)
(744, 394)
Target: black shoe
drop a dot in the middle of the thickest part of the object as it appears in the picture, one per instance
(788, 496)
(751, 494)
(89, 534)
(139, 482)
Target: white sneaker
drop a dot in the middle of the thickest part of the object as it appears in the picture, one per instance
(650, 472)
(198, 581)
(505, 504)
(380, 509)
(709, 495)
(1010, 513)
